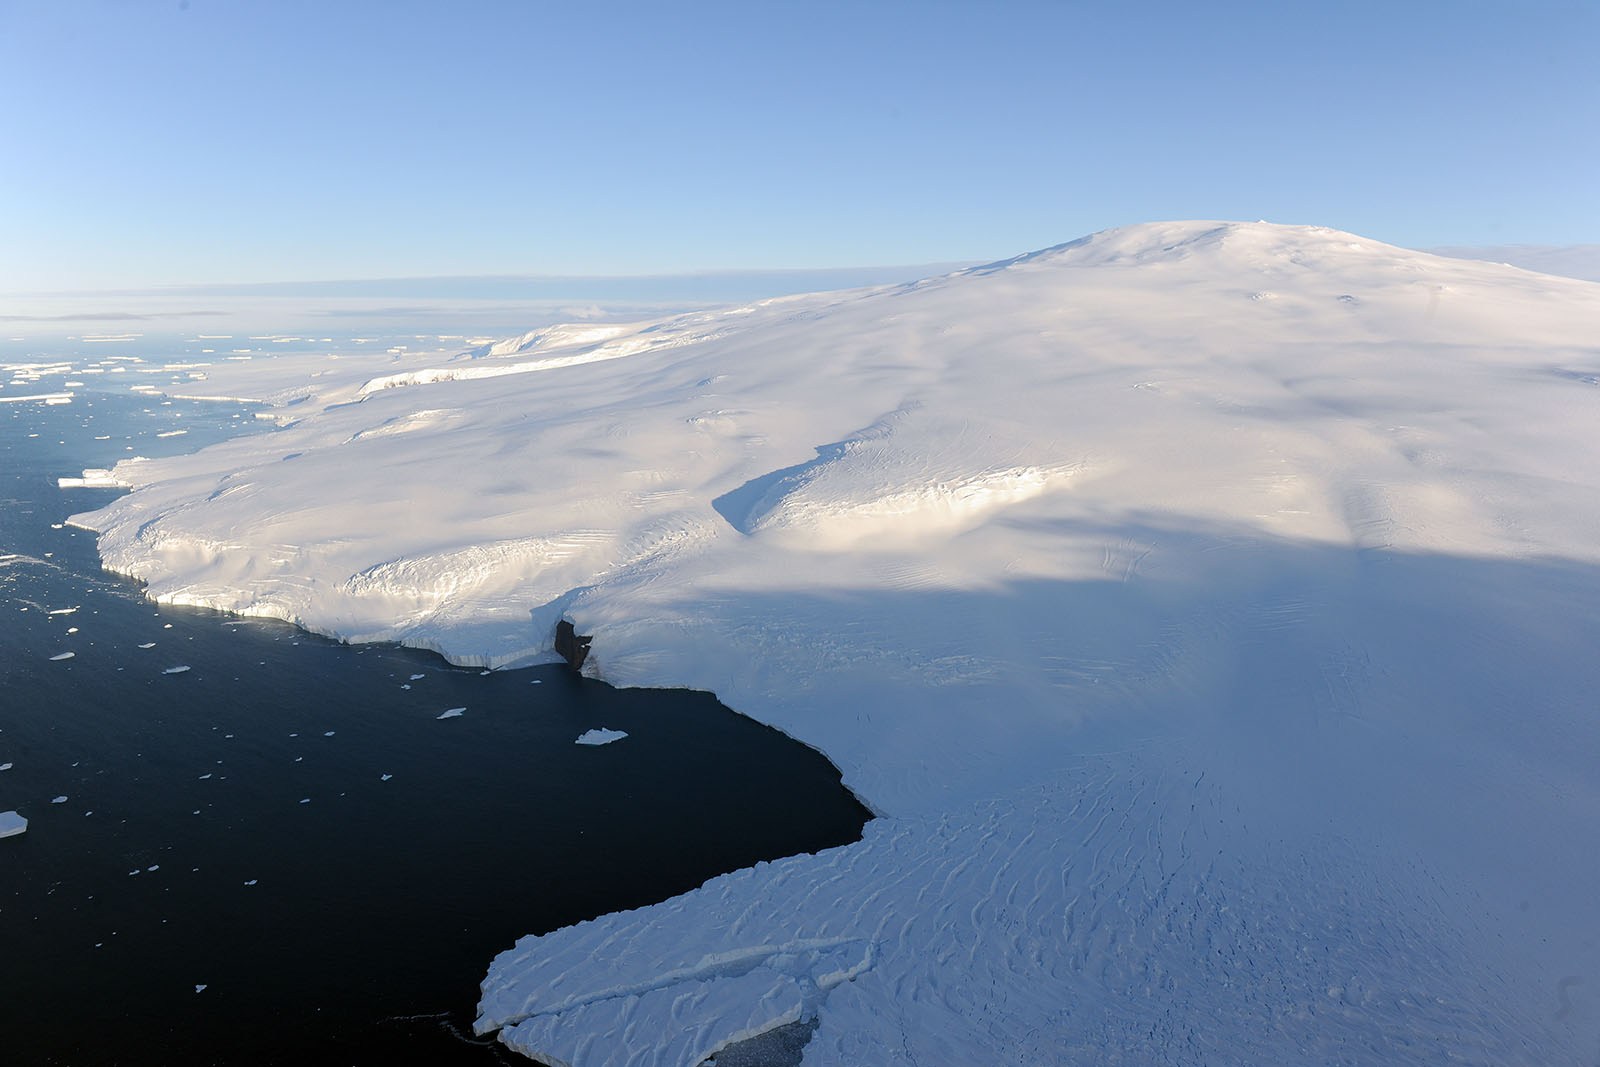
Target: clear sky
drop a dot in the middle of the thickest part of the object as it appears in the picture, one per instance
(163, 142)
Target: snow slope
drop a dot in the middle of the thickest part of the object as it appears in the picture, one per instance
(1207, 608)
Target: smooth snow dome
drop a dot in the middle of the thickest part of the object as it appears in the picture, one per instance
(1208, 609)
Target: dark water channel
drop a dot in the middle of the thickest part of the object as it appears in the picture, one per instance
(289, 826)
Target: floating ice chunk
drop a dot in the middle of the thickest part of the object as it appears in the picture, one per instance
(153, 867)
(251, 882)
(453, 713)
(5, 766)
(203, 777)
(63, 611)
(601, 736)
(48, 398)
(12, 824)
(405, 687)
(200, 988)
(305, 800)
(58, 800)
(93, 478)
(385, 777)
(173, 433)
(176, 670)
(414, 677)
(148, 644)
(72, 629)
(61, 656)
(327, 733)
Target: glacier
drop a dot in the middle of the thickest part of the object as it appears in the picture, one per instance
(1206, 610)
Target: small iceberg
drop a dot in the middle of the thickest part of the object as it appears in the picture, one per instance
(176, 670)
(601, 736)
(12, 824)
(453, 713)
(94, 478)
(62, 656)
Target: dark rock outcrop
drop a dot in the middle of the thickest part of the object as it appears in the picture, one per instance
(571, 645)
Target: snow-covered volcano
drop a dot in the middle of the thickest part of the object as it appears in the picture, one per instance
(1208, 608)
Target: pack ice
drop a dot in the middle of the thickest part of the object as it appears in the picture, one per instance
(1207, 610)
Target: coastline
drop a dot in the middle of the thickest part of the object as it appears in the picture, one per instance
(1270, 555)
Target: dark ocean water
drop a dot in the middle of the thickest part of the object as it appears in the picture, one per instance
(290, 827)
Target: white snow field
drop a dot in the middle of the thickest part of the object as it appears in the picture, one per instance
(1209, 611)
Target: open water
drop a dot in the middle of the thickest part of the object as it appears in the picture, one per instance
(282, 853)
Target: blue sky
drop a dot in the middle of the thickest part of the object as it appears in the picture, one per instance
(157, 143)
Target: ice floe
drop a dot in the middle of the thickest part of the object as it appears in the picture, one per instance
(94, 479)
(601, 736)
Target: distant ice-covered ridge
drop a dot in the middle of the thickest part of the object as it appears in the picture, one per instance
(1316, 511)
(1570, 261)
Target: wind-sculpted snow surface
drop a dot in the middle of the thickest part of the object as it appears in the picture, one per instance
(1208, 609)
(1123, 914)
